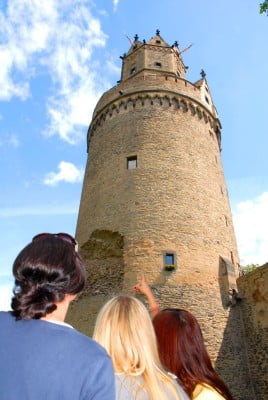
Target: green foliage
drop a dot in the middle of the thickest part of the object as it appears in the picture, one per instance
(248, 268)
(169, 267)
(264, 7)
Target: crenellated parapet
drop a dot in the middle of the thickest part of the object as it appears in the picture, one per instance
(153, 80)
(157, 98)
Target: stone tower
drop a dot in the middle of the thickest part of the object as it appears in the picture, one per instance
(154, 197)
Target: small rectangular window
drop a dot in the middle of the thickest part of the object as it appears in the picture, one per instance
(132, 162)
(158, 41)
(158, 64)
(169, 259)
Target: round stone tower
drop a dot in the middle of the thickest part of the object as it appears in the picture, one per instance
(154, 197)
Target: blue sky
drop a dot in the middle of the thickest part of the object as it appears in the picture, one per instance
(56, 59)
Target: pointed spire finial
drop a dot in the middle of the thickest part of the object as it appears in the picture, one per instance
(157, 32)
(202, 73)
(136, 37)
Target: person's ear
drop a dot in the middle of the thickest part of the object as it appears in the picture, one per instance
(70, 297)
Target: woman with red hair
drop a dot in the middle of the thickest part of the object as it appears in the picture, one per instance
(182, 350)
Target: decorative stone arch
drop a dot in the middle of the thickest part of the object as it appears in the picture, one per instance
(147, 100)
(157, 100)
(113, 108)
(211, 123)
(166, 101)
(199, 112)
(184, 105)
(192, 108)
(175, 102)
(205, 117)
(139, 101)
(128, 103)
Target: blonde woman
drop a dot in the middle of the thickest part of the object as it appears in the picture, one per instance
(125, 330)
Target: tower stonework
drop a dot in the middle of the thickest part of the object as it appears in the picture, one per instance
(154, 197)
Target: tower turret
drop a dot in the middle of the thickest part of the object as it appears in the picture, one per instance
(154, 56)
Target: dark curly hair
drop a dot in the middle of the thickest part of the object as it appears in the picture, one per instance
(45, 271)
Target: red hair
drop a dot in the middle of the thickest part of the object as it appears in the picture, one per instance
(182, 351)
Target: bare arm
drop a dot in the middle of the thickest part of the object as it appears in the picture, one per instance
(143, 287)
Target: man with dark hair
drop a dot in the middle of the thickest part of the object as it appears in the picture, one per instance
(42, 357)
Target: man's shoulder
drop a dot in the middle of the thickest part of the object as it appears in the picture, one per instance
(86, 343)
(76, 340)
(6, 316)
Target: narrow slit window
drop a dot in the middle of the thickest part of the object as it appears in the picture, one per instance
(169, 259)
(132, 162)
(133, 69)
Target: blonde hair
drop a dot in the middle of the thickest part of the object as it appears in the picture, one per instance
(125, 330)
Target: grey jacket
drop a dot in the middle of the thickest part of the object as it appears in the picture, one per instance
(126, 388)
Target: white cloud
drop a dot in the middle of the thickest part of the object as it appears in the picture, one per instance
(68, 172)
(103, 12)
(251, 227)
(10, 140)
(5, 293)
(60, 37)
(24, 31)
(39, 211)
(113, 67)
(115, 3)
(5, 298)
(14, 141)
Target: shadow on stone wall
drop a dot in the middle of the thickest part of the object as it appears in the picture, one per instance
(232, 363)
(103, 255)
(253, 288)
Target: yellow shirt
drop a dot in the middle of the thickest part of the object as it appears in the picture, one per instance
(206, 392)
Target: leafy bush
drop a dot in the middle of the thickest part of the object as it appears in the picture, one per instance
(248, 268)
(169, 267)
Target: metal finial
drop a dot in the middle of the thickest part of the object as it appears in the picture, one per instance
(157, 32)
(202, 73)
(136, 37)
(176, 44)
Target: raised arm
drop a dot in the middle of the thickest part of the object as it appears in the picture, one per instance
(143, 287)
